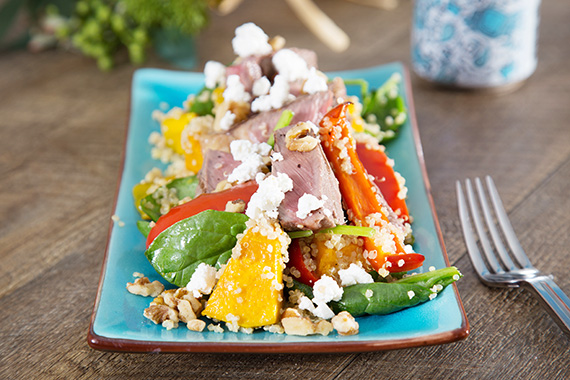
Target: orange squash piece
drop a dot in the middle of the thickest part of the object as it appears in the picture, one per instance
(250, 290)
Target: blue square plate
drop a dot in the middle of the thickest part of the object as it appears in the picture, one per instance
(117, 322)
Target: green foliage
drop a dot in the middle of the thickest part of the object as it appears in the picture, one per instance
(186, 16)
(99, 28)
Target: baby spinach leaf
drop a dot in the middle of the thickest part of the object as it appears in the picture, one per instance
(203, 104)
(144, 227)
(184, 187)
(207, 237)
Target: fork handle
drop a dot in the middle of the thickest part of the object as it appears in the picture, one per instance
(553, 299)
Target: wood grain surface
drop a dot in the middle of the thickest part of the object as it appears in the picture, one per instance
(62, 129)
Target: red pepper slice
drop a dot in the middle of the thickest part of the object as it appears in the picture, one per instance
(411, 261)
(376, 164)
(296, 260)
(209, 201)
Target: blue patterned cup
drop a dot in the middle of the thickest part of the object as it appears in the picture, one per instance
(475, 43)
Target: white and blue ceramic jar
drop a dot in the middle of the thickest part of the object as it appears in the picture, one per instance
(475, 43)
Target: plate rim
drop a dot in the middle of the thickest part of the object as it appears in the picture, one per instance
(103, 343)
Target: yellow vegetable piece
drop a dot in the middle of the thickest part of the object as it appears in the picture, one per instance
(329, 260)
(193, 154)
(172, 128)
(356, 120)
(140, 190)
(250, 290)
(218, 95)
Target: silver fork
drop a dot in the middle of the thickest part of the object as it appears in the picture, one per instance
(506, 273)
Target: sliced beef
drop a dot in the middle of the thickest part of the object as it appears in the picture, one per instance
(217, 166)
(312, 174)
(305, 108)
(248, 70)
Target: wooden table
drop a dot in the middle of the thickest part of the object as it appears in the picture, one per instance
(62, 128)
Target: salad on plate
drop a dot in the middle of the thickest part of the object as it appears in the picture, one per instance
(279, 208)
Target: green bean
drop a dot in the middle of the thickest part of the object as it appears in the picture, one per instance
(389, 297)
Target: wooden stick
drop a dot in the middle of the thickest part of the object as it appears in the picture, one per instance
(320, 24)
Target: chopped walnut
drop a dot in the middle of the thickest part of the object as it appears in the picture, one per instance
(235, 206)
(222, 185)
(160, 313)
(175, 305)
(299, 138)
(277, 42)
(143, 287)
(169, 324)
(295, 324)
(185, 311)
(298, 326)
(239, 109)
(345, 324)
(323, 327)
(196, 325)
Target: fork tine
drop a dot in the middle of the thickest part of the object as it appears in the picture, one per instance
(470, 240)
(500, 247)
(505, 224)
(483, 239)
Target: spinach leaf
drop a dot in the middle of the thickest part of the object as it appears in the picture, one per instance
(203, 104)
(144, 227)
(389, 297)
(207, 237)
(384, 106)
(184, 187)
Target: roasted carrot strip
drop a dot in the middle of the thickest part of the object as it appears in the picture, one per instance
(360, 194)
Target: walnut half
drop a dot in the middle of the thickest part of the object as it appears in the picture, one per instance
(143, 287)
(300, 138)
(295, 324)
(345, 324)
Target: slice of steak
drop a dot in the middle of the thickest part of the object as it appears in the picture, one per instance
(311, 174)
(305, 108)
(248, 70)
(217, 166)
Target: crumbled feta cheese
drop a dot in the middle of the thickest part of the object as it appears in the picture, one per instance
(269, 195)
(354, 275)
(290, 65)
(432, 296)
(323, 310)
(202, 281)
(411, 294)
(241, 149)
(369, 293)
(306, 304)
(401, 263)
(308, 203)
(247, 170)
(250, 39)
(278, 96)
(251, 157)
(261, 86)
(276, 156)
(455, 277)
(326, 289)
(215, 73)
(408, 248)
(227, 120)
(315, 82)
(235, 90)
(431, 268)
